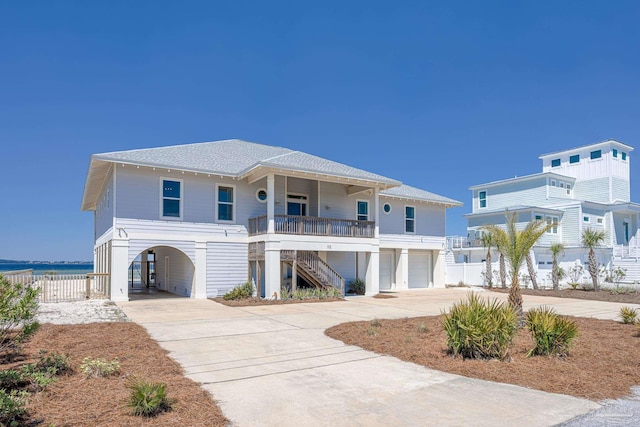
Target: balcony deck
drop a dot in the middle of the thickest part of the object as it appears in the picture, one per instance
(313, 226)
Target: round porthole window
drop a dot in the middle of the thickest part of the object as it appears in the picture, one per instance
(261, 195)
(386, 208)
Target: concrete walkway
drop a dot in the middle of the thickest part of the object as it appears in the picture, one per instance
(273, 365)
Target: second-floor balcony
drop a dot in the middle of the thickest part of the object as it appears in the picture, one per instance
(313, 226)
(455, 242)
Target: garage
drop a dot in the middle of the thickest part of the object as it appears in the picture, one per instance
(420, 271)
(386, 270)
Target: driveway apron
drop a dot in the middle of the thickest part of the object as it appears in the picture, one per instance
(273, 365)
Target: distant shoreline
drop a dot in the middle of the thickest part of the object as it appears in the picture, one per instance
(41, 267)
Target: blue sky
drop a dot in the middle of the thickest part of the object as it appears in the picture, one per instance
(440, 95)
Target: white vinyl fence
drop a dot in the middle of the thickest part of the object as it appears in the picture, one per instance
(64, 287)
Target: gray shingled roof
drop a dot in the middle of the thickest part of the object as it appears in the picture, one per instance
(235, 157)
(408, 192)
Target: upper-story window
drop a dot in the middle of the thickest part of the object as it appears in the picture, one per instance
(561, 184)
(596, 154)
(555, 163)
(574, 159)
(553, 182)
(553, 220)
(615, 152)
(225, 210)
(599, 221)
(261, 195)
(410, 219)
(624, 156)
(171, 199)
(568, 188)
(585, 219)
(482, 197)
(538, 217)
(386, 208)
(363, 210)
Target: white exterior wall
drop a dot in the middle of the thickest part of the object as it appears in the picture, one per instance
(430, 218)
(531, 192)
(104, 209)
(227, 266)
(344, 263)
(181, 271)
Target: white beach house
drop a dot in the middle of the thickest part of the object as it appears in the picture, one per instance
(198, 219)
(584, 187)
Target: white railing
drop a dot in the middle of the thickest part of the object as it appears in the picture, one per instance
(313, 226)
(314, 265)
(455, 242)
(65, 287)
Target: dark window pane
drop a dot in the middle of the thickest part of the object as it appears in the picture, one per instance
(225, 194)
(262, 195)
(555, 163)
(409, 212)
(171, 189)
(596, 154)
(387, 207)
(409, 226)
(574, 159)
(293, 208)
(615, 153)
(363, 208)
(624, 156)
(225, 212)
(171, 208)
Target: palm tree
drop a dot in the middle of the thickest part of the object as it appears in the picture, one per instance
(532, 272)
(516, 246)
(592, 238)
(499, 238)
(487, 242)
(556, 249)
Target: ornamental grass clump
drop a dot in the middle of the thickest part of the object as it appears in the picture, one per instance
(147, 399)
(480, 328)
(241, 291)
(99, 367)
(552, 334)
(629, 315)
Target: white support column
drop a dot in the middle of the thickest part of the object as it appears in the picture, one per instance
(402, 270)
(200, 274)
(376, 210)
(96, 267)
(271, 204)
(272, 272)
(120, 270)
(439, 270)
(372, 278)
(294, 272)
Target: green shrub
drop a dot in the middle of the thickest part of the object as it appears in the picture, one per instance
(57, 364)
(357, 286)
(12, 379)
(18, 309)
(316, 293)
(552, 334)
(376, 323)
(241, 291)
(12, 407)
(99, 367)
(147, 399)
(479, 328)
(628, 315)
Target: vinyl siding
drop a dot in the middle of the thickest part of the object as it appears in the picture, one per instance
(530, 193)
(137, 246)
(594, 190)
(227, 266)
(104, 209)
(571, 226)
(344, 263)
(181, 271)
(621, 190)
(335, 196)
(430, 218)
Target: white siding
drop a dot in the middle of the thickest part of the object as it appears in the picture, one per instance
(420, 269)
(531, 192)
(620, 189)
(571, 226)
(344, 263)
(227, 266)
(104, 209)
(335, 197)
(430, 218)
(181, 271)
(594, 190)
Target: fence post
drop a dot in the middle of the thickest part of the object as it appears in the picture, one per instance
(88, 289)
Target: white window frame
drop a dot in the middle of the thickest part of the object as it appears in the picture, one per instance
(559, 163)
(486, 196)
(258, 192)
(568, 186)
(600, 221)
(390, 208)
(553, 183)
(411, 219)
(586, 219)
(304, 201)
(549, 220)
(358, 214)
(180, 199)
(233, 204)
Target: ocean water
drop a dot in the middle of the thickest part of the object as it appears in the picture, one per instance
(48, 267)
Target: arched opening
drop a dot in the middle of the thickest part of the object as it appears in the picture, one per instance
(161, 271)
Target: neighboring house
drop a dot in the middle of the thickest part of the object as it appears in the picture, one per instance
(198, 219)
(584, 187)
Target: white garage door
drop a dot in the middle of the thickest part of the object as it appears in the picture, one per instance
(419, 269)
(386, 270)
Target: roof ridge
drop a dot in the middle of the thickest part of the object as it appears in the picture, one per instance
(280, 155)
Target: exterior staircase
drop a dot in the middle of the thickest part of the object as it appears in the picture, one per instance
(313, 269)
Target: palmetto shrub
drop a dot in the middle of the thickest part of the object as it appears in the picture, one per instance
(241, 291)
(357, 286)
(147, 399)
(552, 334)
(479, 328)
(629, 315)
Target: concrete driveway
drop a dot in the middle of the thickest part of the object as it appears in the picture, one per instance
(273, 365)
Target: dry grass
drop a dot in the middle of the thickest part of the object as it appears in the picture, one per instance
(603, 363)
(246, 302)
(75, 400)
(602, 295)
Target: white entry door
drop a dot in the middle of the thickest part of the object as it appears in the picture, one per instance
(386, 270)
(419, 269)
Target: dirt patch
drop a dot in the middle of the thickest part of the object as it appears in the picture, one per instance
(603, 363)
(602, 295)
(75, 400)
(259, 301)
(384, 296)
